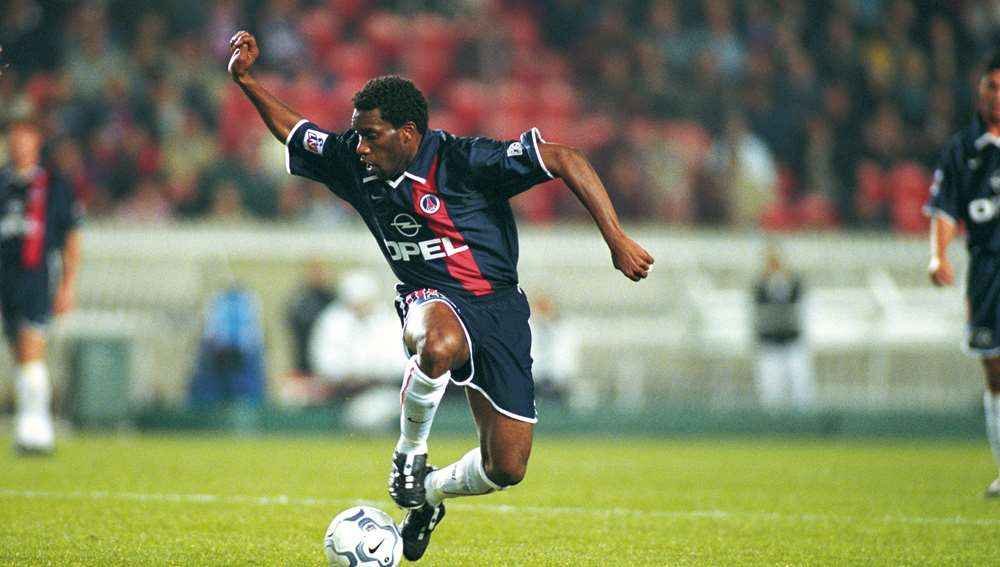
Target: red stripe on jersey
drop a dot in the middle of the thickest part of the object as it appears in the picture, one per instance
(461, 264)
(34, 238)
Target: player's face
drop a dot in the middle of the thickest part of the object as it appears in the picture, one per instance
(384, 149)
(989, 98)
(25, 146)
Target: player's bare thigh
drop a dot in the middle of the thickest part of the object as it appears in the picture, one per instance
(434, 332)
(504, 441)
(992, 368)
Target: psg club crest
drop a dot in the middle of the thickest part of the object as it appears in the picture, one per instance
(430, 204)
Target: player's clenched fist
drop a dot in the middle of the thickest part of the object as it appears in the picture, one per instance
(940, 272)
(631, 259)
(244, 51)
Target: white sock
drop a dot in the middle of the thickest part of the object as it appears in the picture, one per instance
(33, 425)
(991, 405)
(34, 393)
(465, 477)
(420, 396)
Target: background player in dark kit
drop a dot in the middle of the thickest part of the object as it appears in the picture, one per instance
(967, 189)
(438, 208)
(38, 220)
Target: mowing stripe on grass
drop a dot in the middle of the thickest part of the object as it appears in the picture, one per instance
(283, 500)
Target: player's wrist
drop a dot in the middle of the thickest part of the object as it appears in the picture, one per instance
(243, 79)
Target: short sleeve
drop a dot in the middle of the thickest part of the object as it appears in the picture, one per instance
(317, 154)
(507, 167)
(944, 198)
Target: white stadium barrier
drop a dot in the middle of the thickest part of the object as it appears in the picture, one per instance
(882, 336)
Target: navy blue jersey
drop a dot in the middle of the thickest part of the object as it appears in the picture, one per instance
(36, 213)
(967, 187)
(446, 221)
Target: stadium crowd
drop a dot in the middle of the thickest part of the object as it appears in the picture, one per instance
(785, 114)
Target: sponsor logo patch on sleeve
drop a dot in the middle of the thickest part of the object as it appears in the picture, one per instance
(314, 141)
(515, 149)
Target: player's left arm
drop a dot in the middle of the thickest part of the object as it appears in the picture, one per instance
(575, 170)
(65, 298)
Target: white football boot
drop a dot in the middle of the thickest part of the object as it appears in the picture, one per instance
(993, 490)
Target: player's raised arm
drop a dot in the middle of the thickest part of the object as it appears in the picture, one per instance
(276, 115)
(939, 268)
(573, 168)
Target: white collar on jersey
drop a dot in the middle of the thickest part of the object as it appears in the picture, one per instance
(395, 182)
(985, 140)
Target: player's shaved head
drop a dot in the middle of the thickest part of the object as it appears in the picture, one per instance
(399, 101)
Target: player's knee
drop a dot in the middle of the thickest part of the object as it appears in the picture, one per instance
(439, 351)
(992, 367)
(506, 472)
(993, 382)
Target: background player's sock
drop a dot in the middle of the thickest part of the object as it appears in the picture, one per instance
(34, 394)
(991, 405)
(419, 400)
(465, 477)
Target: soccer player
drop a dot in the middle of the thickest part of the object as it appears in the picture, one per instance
(966, 189)
(38, 225)
(438, 208)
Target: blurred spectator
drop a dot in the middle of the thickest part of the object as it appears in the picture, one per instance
(743, 166)
(146, 95)
(303, 309)
(355, 349)
(230, 365)
(783, 371)
(355, 341)
(555, 350)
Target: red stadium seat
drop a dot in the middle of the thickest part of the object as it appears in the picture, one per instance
(428, 67)
(909, 184)
(870, 195)
(349, 10)
(515, 97)
(321, 28)
(468, 100)
(385, 31)
(353, 62)
(558, 98)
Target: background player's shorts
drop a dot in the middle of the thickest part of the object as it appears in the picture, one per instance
(25, 300)
(982, 333)
(496, 326)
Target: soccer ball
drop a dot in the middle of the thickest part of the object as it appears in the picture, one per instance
(363, 536)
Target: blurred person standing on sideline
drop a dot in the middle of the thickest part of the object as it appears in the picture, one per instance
(965, 190)
(39, 257)
(438, 207)
(783, 369)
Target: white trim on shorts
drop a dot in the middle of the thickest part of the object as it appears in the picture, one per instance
(498, 408)
(980, 353)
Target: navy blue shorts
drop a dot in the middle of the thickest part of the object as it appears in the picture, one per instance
(496, 327)
(25, 300)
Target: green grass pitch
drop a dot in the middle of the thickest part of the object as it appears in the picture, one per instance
(139, 500)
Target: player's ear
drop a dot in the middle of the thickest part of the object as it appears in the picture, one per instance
(408, 131)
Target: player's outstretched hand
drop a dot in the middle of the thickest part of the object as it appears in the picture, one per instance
(630, 258)
(243, 47)
(940, 272)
